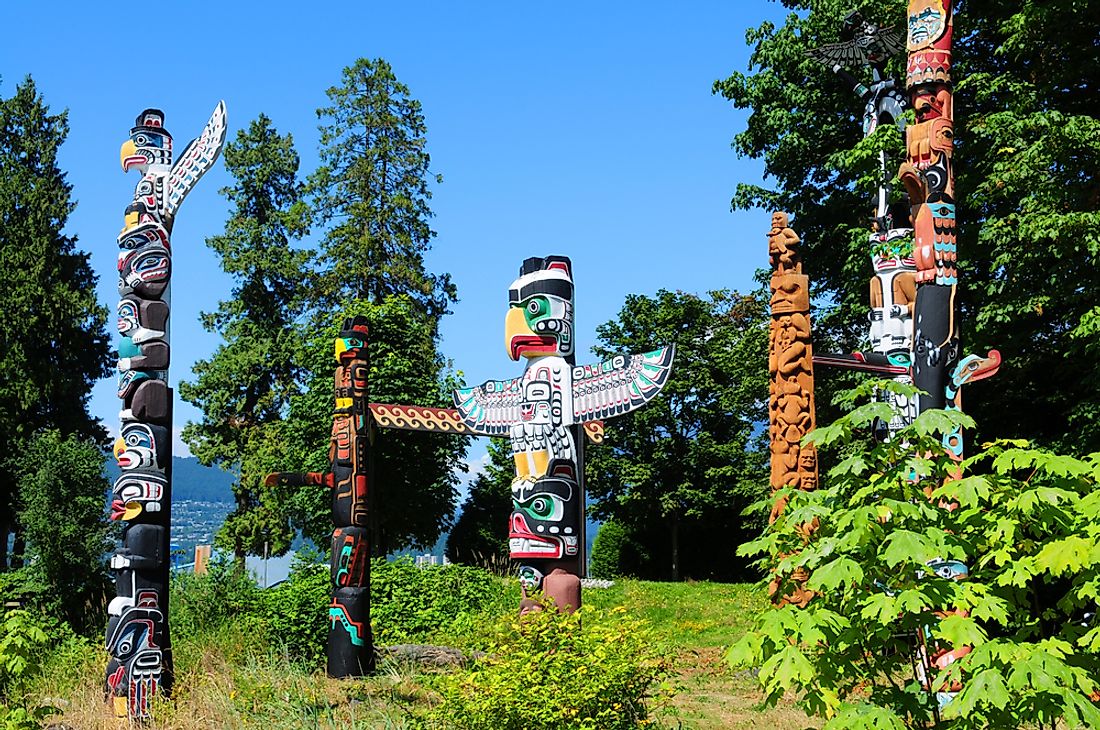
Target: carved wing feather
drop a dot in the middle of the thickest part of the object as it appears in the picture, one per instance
(619, 385)
(846, 53)
(197, 158)
(491, 408)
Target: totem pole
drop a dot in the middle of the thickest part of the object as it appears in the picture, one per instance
(543, 412)
(350, 649)
(138, 640)
(791, 383)
(892, 288)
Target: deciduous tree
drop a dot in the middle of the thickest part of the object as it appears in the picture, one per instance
(677, 473)
(480, 534)
(1028, 200)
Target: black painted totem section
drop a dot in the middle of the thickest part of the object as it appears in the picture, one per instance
(350, 648)
(138, 640)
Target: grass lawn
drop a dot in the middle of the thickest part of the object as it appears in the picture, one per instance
(223, 681)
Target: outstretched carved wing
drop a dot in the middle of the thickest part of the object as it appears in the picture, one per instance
(491, 408)
(863, 50)
(619, 385)
(197, 158)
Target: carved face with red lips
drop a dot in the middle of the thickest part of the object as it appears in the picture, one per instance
(540, 313)
(544, 520)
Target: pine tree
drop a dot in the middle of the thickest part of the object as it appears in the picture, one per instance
(53, 341)
(372, 190)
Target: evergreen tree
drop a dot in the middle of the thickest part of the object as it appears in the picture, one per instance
(371, 195)
(244, 389)
(412, 490)
(480, 534)
(61, 487)
(1027, 197)
(54, 344)
(372, 188)
(678, 473)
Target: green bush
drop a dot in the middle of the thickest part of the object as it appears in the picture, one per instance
(592, 670)
(607, 550)
(204, 603)
(421, 604)
(23, 642)
(295, 612)
(409, 604)
(1025, 521)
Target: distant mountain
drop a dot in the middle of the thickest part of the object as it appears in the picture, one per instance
(191, 481)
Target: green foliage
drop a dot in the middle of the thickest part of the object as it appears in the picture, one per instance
(224, 594)
(53, 345)
(22, 644)
(1028, 201)
(408, 604)
(679, 472)
(586, 671)
(607, 558)
(295, 611)
(61, 487)
(1026, 524)
(372, 187)
(243, 389)
(414, 483)
(479, 536)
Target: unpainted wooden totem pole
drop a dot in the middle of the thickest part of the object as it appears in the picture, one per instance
(791, 388)
(138, 640)
(350, 648)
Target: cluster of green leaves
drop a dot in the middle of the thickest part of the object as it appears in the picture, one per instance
(22, 645)
(1028, 200)
(678, 473)
(409, 604)
(592, 670)
(478, 536)
(1025, 521)
(61, 514)
(606, 559)
(53, 343)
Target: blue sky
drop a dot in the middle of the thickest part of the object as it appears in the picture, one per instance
(586, 129)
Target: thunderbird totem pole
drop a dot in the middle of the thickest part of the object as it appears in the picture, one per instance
(138, 640)
(350, 649)
(543, 413)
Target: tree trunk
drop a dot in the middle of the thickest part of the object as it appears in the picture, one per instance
(676, 547)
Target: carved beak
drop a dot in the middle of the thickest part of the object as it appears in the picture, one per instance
(128, 155)
(515, 330)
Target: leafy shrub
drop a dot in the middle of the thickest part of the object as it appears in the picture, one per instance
(418, 604)
(1027, 523)
(607, 549)
(203, 603)
(22, 647)
(295, 611)
(592, 670)
(408, 604)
